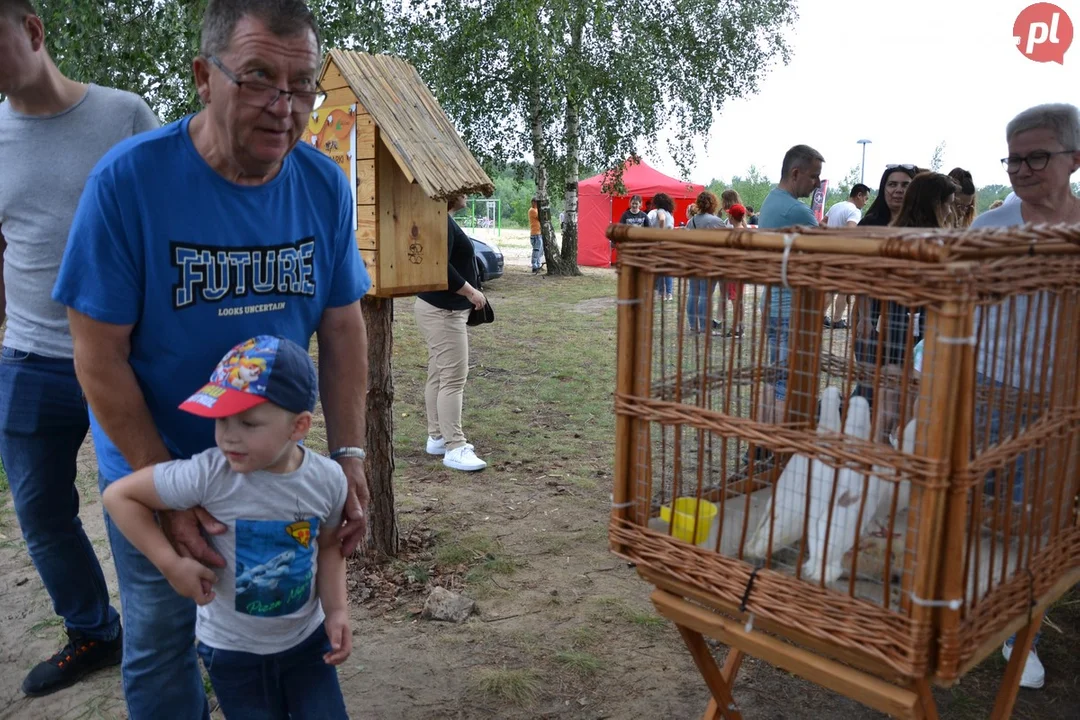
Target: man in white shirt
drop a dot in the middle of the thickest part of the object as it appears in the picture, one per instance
(846, 213)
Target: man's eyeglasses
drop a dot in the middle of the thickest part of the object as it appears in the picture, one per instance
(260, 95)
(1037, 160)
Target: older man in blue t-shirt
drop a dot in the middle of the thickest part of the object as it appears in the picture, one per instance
(799, 175)
(188, 240)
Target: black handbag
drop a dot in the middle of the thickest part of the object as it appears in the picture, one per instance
(482, 316)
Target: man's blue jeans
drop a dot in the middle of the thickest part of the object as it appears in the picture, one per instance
(160, 670)
(296, 683)
(43, 422)
(537, 242)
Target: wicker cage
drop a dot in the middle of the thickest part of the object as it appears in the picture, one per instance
(896, 491)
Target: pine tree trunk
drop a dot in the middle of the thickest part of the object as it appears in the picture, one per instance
(379, 467)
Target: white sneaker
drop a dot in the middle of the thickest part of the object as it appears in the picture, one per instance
(436, 447)
(463, 458)
(1034, 675)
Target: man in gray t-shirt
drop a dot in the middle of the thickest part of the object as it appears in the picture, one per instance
(53, 131)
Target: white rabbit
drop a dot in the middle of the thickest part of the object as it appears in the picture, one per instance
(789, 499)
(907, 441)
(842, 526)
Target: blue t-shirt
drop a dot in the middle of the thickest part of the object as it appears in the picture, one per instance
(198, 264)
(782, 209)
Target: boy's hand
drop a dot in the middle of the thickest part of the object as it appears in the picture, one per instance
(192, 579)
(337, 629)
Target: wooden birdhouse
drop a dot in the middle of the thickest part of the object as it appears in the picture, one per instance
(404, 158)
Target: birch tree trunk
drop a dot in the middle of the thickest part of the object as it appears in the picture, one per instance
(536, 130)
(569, 256)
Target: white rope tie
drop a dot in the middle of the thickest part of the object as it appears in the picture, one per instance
(620, 506)
(633, 301)
(922, 602)
(789, 240)
(970, 340)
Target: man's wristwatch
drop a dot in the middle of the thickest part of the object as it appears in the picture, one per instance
(348, 452)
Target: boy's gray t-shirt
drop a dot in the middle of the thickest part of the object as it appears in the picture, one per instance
(265, 597)
(44, 164)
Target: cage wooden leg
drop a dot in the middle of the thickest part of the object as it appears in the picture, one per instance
(721, 690)
(927, 707)
(729, 671)
(1010, 684)
(732, 665)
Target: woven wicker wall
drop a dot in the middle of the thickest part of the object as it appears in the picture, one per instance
(896, 493)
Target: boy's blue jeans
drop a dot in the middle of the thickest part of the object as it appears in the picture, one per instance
(43, 421)
(295, 684)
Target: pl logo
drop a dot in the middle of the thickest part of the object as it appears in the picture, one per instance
(1043, 32)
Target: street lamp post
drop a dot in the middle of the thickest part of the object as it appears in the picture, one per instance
(862, 170)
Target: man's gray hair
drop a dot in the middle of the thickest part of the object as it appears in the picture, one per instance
(284, 18)
(1061, 118)
(800, 157)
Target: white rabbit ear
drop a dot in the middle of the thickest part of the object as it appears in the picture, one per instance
(858, 418)
(829, 418)
(908, 441)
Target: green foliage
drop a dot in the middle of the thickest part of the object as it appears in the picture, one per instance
(147, 47)
(752, 188)
(937, 161)
(988, 194)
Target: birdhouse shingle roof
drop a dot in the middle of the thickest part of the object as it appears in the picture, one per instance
(414, 127)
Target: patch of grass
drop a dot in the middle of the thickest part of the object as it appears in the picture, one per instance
(4, 487)
(52, 627)
(480, 557)
(464, 551)
(578, 662)
(515, 687)
(618, 608)
(417, 573)
(585, 636)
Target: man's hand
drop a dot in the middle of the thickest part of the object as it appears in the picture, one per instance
(337, 629)
(192, 580)
(182, 529)
(354, 525)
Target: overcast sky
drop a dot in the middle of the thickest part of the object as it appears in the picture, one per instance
(906, 74)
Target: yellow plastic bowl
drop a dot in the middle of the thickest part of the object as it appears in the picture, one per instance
(683, 527)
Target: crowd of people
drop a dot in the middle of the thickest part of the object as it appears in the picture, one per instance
(123, 286)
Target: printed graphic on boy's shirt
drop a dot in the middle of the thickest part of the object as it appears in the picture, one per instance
(274, 565)
(247, 366)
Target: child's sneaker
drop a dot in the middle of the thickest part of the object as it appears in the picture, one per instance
(436, 447)
(463, 458)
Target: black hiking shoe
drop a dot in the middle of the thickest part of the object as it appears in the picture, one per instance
(80, 657)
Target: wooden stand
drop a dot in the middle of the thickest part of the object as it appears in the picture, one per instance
(914, 702)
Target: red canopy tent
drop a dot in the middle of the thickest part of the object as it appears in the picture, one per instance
(597, 210)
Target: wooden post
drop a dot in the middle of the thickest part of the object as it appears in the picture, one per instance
(946, 327)
(379, 467)
(623, 491)
(951, 579)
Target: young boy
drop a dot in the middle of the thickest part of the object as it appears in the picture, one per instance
(275, 621)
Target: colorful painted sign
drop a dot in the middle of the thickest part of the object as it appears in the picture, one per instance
(333, 131)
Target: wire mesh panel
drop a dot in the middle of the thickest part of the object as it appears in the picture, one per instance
(848, 483)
